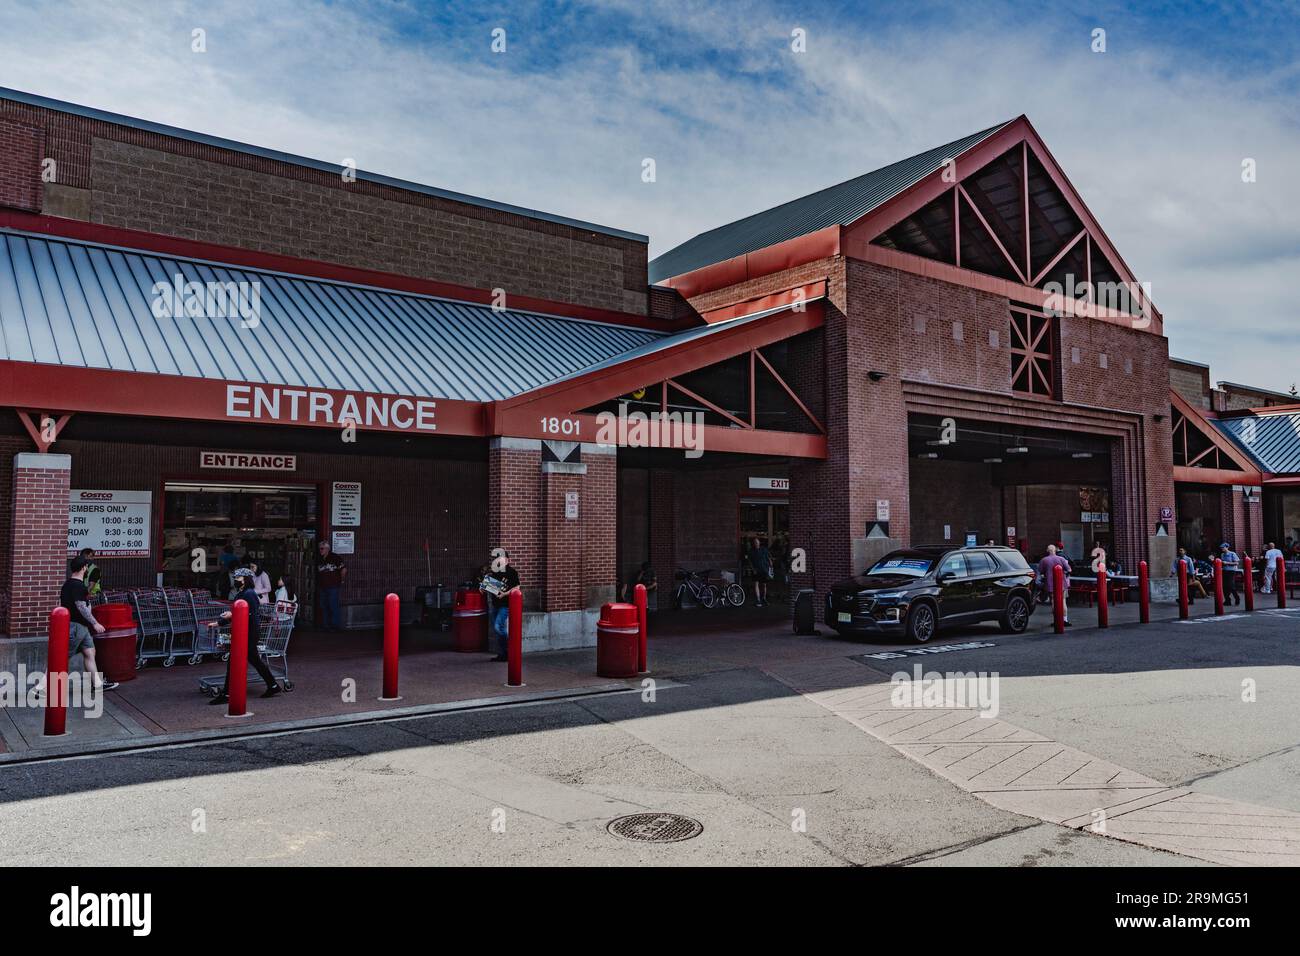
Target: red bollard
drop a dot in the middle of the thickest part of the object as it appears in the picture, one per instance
(392, 627)
(56, 675)
(643, 650)
(1218, 586)
(1248, 582)
(1182, 590)
(1279, 582)
(515, 645)
(1103, 599)
(1144, 593)
(1058, 599)
(237, 684)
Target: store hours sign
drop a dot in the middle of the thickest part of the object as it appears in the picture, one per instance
(115, 523)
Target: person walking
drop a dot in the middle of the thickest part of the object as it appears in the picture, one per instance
(509, 579)
(760, 559)
(1270, 567)
(248, 594)
(75, 596)
(261, 581)
(1048, 580)
(1231, 565)
(331, 571)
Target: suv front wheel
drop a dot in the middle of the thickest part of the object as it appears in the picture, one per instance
(921, 622)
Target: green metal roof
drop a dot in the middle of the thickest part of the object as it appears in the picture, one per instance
(841, 204)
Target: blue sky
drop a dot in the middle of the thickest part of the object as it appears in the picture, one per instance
(1152, 132)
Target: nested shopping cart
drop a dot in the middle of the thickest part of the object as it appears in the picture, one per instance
(155, 626)
(207, 612)
(274, 628)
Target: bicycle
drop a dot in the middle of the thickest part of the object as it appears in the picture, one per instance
(697, 585)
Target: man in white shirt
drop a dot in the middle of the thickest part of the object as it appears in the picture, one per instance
(1270, 567)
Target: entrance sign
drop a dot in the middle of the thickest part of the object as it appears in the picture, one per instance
(248, 461)
(345, 504)
(343, 542)
(308, 406)
(115, 523)
(769, 484)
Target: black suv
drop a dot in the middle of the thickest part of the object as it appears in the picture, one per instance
(916, 591)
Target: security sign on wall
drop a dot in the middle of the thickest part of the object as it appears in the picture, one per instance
(115, 523)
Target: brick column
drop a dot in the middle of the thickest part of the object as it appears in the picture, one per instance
(514, 504)
(663, 538)
(39, 540)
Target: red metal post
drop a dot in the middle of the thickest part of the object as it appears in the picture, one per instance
(1218, 586)
(1279, 582)
(515, 645)
(1248, 582)
(1144, 593)
(643, 650)
(1103, 599)
(237, 683)
(1058, 599)
(392, 625)
(1182, 589)
(56, 675)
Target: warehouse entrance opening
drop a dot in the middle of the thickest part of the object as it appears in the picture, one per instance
(275, 525)
(1020, 486)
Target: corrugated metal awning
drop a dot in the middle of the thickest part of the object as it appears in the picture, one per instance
(1273, 441)
(85, 305)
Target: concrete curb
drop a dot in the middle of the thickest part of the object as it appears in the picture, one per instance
(133, 744)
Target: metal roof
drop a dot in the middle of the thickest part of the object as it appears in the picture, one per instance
(88, 305)
(75, 109)
(841, 204)
(1271, 440)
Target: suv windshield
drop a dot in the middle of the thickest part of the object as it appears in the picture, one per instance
(907, 565)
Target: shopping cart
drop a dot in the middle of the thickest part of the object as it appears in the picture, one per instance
(184, 626)
(207, 616)
(274, 628)
(155, 627)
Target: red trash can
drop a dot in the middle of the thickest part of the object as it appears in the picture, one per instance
(115, 652)
(618, 635)
(469, 621)
(114, 616)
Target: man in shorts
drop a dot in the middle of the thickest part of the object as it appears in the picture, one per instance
(75, 596)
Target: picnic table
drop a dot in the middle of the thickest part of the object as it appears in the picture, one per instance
(1117, 586)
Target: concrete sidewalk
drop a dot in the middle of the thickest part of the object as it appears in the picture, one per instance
(338, 676)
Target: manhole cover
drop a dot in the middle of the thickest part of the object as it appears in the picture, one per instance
(656, 827)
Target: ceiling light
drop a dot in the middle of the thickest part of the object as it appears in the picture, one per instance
(1017, 450)
(992, 461)
(929, 454)
(1082, 454)
(938, 441)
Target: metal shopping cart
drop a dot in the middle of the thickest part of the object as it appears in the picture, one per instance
(274, 628)
(207, 613)
(184, 625)
(155, 627)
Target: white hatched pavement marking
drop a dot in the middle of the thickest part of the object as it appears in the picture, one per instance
(1026, 773)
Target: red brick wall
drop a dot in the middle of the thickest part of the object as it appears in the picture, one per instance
(21, 149)
(564, 564)
(663, 528)
(38, 545)
(955, 493)
(148, 181)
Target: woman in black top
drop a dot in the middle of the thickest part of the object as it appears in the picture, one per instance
(246, 593)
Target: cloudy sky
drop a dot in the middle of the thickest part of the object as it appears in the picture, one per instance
(1153, 131)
